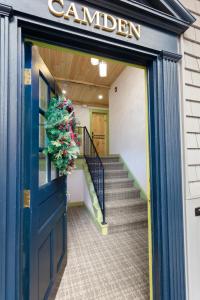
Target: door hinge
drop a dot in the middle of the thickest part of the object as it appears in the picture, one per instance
(27, 76)
(27, 198)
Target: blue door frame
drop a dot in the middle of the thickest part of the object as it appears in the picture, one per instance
(164, 131)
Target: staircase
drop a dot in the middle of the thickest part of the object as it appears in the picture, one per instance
(125, 210)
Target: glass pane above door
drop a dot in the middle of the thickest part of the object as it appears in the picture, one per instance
(43, 169)
(43, 94)
(42, 132)
(53, 172)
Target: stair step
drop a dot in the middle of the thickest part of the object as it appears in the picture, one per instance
(125, 211)
(122, 193)
(111, 158)
(126, 222)
(111, 174)
(113, 165)
(118, 183)
(115, 207)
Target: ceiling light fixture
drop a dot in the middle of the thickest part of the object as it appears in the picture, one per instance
(103, 69)
(64, 92)
(94, 61)
(100, 97)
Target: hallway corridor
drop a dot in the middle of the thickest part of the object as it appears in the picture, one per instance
(112, 267)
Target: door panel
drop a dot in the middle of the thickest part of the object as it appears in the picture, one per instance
(44, 259)
(99, 132)
(59, 242)
(45, 239)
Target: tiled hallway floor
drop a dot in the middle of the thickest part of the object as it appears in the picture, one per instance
(113, 267)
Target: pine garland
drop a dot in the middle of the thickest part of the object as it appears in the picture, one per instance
(63, 141)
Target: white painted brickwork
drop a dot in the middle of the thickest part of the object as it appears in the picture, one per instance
(191, 51)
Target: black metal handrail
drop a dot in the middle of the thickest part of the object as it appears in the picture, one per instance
(95, 167)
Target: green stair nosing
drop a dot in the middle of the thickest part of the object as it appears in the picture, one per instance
(136, 184)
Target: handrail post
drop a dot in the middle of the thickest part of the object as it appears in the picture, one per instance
(84, 141)
(104, 208)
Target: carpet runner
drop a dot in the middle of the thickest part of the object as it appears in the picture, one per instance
(125, 210)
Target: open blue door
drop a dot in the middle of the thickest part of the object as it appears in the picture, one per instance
(44, 189)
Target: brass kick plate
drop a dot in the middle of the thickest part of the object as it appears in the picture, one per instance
(27, 198)
(27, 76)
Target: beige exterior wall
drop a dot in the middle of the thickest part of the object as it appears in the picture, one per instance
(190, 46)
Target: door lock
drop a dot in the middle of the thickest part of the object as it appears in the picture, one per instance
(197, 211)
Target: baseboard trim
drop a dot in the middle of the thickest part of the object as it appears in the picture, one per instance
(75, 204)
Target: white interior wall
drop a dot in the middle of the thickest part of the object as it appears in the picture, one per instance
(127, 121)
(83, 115)
(75, 186)
(127, 124)
(78, 189)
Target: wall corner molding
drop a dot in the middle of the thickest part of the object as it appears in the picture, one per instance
(6, 10)
(170, 56)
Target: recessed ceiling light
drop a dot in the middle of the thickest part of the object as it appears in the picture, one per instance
(100, 97)
(103, 69)
(94, 61)
(64, 92)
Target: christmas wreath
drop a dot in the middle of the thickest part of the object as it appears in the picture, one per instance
(62, 140)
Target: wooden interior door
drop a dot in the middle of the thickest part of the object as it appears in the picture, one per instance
(99, 132)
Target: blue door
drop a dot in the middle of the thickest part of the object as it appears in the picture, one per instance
(45, 191)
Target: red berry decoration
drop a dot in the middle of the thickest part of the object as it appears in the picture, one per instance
(63, 141)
